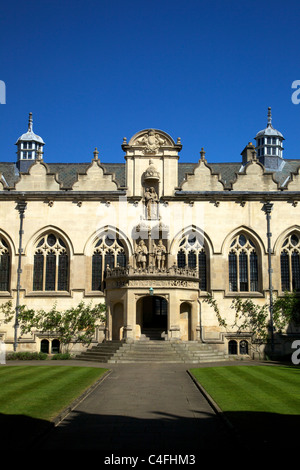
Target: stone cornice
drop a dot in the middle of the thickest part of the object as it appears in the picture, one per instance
(187, 196)
(236, 195)
(61, 195)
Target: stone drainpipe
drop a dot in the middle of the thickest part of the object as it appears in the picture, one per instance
(21, 207)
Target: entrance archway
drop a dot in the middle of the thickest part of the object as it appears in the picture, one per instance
(152, 315)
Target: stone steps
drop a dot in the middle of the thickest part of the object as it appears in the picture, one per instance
(154, 334)
(165, 351)
(102, 352)
(199, 352)
(149, 351)
(153, 351)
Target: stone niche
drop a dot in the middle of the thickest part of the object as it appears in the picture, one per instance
(151, 162)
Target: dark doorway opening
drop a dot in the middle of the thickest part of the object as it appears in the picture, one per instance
(154, 316)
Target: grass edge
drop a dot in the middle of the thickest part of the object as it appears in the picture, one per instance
(65, 411)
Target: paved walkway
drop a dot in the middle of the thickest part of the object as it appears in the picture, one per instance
(147, 408)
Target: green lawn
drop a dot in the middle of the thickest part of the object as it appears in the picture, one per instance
(262, 402)
(41, 392)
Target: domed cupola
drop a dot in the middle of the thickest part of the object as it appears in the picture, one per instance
(28, 145)
(151, 173)
(269, 146)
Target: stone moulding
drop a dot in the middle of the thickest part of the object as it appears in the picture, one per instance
(152, 277)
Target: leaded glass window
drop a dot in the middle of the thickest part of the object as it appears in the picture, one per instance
(181, 259)
(4, 266)
(192, 259)
(243, 265)
(97, 271)
(160, 306)
(202, 269)
(193, 254)
(51, 265)
(290, 263)
(109, 253)
(232, 272)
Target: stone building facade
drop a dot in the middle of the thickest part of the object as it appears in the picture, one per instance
(150, 237)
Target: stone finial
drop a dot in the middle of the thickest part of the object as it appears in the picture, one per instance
(30, 122)
(202, 153)
(269, 117)
(96, 153)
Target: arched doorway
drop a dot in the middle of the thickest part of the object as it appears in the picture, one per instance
(45, 346)
(153, 316)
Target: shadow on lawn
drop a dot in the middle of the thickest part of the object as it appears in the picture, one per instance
(266, 430)
(160, 433)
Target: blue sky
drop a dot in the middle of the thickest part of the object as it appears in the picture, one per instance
(93, 72)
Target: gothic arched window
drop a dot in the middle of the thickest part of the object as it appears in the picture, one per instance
(243, 265)
(4, 265)
(51, 265)
(192, 254)
(108, 252)
(290, 263)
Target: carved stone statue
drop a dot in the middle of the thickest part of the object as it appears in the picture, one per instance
(160, 254)
(141, 255)
(151, 201)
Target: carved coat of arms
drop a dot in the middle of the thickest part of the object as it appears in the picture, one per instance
(152, 141)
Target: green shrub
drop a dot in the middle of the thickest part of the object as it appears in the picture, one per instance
(26, 356)
(61, 356)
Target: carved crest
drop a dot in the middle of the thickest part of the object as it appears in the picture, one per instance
(151, 141)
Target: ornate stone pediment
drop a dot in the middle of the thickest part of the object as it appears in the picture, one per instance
(150, 141)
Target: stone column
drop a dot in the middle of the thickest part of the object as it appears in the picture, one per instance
(173, 317)
(130, 317)
(194, 320)
(108, 333)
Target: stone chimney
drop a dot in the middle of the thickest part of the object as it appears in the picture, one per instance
(249, 153)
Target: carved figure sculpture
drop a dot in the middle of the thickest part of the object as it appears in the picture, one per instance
(141, 255)
(151, 201)
(160, 254)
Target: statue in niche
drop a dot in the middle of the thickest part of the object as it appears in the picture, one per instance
(151, 201)
(141, 255)
(160, 254)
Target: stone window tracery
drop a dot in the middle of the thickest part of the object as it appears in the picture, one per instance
(109, 252)
(243, 265)
(51, 265)
(192, 254)
(290, 263)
